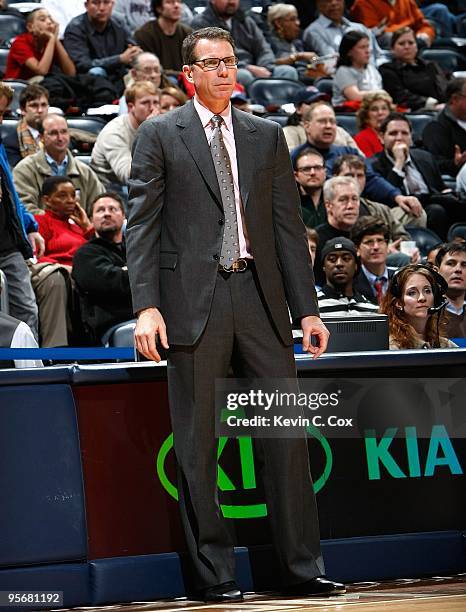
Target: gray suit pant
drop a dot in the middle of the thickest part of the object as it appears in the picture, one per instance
(238, 333)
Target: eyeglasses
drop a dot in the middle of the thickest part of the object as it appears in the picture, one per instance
(309, 169)
(373, 241)
(212, 63)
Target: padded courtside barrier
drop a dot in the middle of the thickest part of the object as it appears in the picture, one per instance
(42, 514)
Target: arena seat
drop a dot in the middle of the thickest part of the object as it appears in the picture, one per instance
(7, 127)
(273, 92)
(281, 119)
(457, 230)
(325, 85)
(3, 57)
(120, 335)
(4, 305)
(448, 59)
(17, 87)
(425, 238)
(348, 122)
(419, 122)
(89, 124)
(10, 26)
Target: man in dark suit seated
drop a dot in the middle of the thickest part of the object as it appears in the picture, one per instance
(415, 172)
(371, 235)
(451, 264)
(27, 139)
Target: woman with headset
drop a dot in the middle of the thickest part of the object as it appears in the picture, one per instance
(415, 302)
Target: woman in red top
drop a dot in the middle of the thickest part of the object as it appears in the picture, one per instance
(65, 227)
(373, 110)
(38, 51)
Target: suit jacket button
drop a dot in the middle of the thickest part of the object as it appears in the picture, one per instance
(216, 257)
(221, 222)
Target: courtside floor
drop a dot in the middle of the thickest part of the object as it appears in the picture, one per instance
(439, 594)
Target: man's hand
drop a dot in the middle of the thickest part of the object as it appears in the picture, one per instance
(258, 71)
(37, 243)
(409, 204)
(313, 326)
(129, 54)
(459, 157)
(80, 217)
(149, 325)
(400, 154)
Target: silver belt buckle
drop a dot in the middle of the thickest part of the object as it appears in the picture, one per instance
(240, 265)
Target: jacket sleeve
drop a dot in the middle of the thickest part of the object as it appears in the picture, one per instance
(262, 51)
(27, 187)
(378, 188)
(438, 139)
(146, 201)
(96, 273)
(93, 186)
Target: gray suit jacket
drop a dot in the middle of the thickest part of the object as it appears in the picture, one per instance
(175, 223)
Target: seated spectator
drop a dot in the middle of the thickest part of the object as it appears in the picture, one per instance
(309, 172)
(17, 334)
(338, 295)
(98, 44)
(451, 24)
(38, 51)
(395, 218)
(320, 125)
(27, 140)
(164, 36)
(19, 238)
(355, 77)
(324, 34)
(412, 82)
(341, 197)
(284, 38)
(415, 172)
(445, 136)
(451, 264)
(170, 98)
(256, 58)
(54, 160)
(63, 12)
(294, 131)
(373, 110)
(371, 237)
(312, 242)
(146, 67)
(391, 15)
(412, 293)
(111, 155)
(99, 269)
(65, 227)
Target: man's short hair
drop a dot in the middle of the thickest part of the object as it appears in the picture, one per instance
(450, 248)
(7, 91)
(303, 153)
(211, 33)
(395, 117)
(351, 160)
(50, 116)
(137, 60)
(50, 184)
(112, 195)
(307, 115)
(311, 234)
(454, 87)
(156, 4)
(30, 93)
(338, 181)
(138, 89)
(368, 225)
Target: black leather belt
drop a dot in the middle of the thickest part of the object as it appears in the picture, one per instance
(240, 265)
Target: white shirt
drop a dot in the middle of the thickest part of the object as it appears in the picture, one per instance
(24, 338)
(205, 116)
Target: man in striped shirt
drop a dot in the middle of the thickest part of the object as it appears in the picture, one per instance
(340, 264)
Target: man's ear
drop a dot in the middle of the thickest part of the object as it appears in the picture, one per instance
(188, 73)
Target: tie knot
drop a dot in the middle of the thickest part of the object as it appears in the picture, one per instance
(216, 121)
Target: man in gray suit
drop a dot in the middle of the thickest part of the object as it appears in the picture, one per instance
(215, 250)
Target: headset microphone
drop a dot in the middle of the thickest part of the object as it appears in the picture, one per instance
(438, 308)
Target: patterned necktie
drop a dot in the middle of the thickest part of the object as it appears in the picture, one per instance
(378, 286)
(230, 244)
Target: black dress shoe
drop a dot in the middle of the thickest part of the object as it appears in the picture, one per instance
(227, 592)
(316, 586)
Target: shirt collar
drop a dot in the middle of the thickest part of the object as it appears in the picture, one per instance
(373, 277)
(451, 308)
(53, 162)
(206, 115)
(325, 22)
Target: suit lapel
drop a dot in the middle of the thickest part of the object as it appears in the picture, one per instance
(193, 135)
(244, 131)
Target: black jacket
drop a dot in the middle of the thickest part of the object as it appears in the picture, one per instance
(440, 136)
(99, 270)
(410, 85)
(362, 285)
(424, 162)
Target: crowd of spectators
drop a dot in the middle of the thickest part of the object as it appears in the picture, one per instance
(361, 192)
